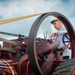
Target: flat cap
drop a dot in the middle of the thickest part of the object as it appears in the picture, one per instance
(54, 20)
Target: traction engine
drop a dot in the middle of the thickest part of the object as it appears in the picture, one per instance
(30, 55)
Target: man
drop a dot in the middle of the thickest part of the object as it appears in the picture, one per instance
(58, 36)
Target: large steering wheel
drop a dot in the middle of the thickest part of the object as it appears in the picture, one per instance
(32, 39)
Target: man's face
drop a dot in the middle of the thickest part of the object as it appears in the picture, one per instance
(56, 24)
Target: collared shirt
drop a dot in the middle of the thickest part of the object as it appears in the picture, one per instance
(58, 38)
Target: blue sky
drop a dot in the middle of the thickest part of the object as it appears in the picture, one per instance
(17, 8)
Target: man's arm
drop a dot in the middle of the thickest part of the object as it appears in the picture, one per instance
(54, 34)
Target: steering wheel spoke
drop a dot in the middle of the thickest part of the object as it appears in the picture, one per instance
(67, 41)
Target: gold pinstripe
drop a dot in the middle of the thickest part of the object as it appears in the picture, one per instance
(22, 63)
(9, 67)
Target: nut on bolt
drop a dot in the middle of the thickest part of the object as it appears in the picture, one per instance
(57, 49)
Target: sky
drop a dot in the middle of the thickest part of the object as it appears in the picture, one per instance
(18, 8)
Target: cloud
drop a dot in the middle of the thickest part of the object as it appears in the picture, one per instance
(25, 7)
(22, 8)
(1, 43)
(0, 17)
(18, 8)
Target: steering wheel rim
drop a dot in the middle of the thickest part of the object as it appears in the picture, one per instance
(32, 38)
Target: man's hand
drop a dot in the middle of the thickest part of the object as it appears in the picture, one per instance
(54, 34)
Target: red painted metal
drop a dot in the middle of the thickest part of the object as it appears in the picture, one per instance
(6, 64)
(22, 66)
(73, 73)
